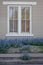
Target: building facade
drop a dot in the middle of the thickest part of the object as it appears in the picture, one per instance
(21, 18)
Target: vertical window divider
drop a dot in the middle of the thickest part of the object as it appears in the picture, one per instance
(30, 19)
(8, 20)
(25, 20)
(12, 20)
(19, 19)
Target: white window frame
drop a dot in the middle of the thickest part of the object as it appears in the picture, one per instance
(19, 18)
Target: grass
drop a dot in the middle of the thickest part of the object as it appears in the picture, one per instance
(25, 56)
(41, 48)
(32, 47)
(4, 50)
(23, 49)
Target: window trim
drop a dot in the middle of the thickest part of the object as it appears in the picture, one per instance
(8, 3)
(18, 2)
(16, 34)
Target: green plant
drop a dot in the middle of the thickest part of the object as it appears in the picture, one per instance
(3, 50)
(25, 48)
(25, 57)
(8, 46)
(15, 45)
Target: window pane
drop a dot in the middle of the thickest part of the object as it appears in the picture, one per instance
(11, 26)
(13, 13)
(15, 25)
(23, 13)
(10, 13)
(27, 12)
(27, 26)
(25, 19)
(13, 17)
(23, 26)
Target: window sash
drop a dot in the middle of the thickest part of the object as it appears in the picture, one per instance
(25, 18)
(12, 18)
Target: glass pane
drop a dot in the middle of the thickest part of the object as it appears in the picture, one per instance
(23, 13)
(27, 25)
(13, 13)
(27, 12)
(25, 19)
(23, 26)
(15, 25)
(11, 26)
(13, 18)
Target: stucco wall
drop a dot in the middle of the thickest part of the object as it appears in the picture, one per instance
(37, 18)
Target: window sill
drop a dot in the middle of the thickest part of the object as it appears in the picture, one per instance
(16, 34)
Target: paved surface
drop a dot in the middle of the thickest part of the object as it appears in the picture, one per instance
(17, 64)
(19, 54)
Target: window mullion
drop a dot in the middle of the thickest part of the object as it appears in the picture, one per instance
(12, 20)
(19, 19)
(8, 20)
(30, 19)
(25, 19)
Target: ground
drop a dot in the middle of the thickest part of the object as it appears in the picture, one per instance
(18, 64)
(33, 49)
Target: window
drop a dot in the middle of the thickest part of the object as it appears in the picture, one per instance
(19, 20)
(25, 19)
(19, 17)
